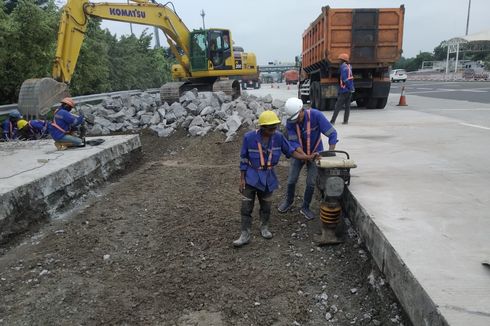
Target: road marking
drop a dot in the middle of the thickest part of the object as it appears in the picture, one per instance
(474, 126)
(469, 109)
(473, 90)
(424, 88)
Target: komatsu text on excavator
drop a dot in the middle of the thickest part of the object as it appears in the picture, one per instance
(205, 57)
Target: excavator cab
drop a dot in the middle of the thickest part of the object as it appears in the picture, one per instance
(210, 50)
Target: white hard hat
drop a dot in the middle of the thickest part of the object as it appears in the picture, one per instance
(293, 107)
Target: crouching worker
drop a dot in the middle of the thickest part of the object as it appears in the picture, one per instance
(261, 150)
(9, 126)
(64, 123)
(33, 129)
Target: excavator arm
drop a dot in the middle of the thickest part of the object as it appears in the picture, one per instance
(74, 24)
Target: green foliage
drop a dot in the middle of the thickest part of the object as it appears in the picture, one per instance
(135, 65)
(26, 38)
(28, 31)
(412, 64)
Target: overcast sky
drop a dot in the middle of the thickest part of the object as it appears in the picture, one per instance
(272, 29)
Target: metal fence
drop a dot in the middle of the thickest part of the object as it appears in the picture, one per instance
(5, 109)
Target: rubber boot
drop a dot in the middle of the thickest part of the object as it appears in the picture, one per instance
(288, 201)
(243, 240)
(264, 231)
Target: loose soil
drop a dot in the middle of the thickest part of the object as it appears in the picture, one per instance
(155, 248)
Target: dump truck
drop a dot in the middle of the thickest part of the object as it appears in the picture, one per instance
(373, 40)
(291, 77)
(206, 58)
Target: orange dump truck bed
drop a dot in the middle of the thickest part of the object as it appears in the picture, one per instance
(372, 37)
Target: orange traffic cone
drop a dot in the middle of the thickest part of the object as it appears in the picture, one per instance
(403, 100)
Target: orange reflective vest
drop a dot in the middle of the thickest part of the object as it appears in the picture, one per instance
(54, 124)
(308, 134)
(263, 164)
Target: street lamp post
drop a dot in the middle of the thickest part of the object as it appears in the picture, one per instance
(202, 15)
(468, 18)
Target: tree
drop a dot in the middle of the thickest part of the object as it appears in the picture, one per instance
(26, 37)
(440, 52)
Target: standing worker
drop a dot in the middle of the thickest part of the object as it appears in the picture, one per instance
(261, 150)
(33, 129)
(345, 90)
(9, 126)
(63, 124)
(305, 129)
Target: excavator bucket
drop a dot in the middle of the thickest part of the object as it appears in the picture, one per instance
(37, 96)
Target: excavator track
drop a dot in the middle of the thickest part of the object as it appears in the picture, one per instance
(229, 87)
(172, 91)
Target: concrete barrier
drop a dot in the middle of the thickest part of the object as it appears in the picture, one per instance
(38, 182)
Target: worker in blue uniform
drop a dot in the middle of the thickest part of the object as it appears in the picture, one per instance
(304, 130)
(346, 88)
(9, 126)
(261, 150)
(33, 129)
(63, 124)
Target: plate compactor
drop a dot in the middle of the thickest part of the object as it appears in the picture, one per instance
(333, 177)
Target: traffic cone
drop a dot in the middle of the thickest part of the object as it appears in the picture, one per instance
(403, 100)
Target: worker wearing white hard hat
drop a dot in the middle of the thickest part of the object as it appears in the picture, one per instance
(305, 129)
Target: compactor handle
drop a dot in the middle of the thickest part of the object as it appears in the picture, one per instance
(333, 153)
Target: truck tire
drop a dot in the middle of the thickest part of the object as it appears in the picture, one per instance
(361, 102)
(381, 102)
(372, 103)
(327, 104)
(315, 95)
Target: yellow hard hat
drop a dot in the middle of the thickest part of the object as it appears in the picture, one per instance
(21, 124)
(268, 118)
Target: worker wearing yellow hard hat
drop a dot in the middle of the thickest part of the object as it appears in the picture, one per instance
(261, 150)
(33, 129)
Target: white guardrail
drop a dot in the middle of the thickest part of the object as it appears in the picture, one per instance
(5, 109)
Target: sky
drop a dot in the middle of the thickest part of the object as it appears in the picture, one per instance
(272, 29)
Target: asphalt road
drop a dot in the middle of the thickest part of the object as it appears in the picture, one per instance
(478, 92)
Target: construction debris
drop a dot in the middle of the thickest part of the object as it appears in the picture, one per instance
(199, 113)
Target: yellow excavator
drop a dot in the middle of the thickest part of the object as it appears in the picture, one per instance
(205, 57)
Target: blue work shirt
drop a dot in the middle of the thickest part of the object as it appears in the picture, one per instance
(66, 121)
(38, 128)
(318, 125)
(9, 130)
(263, 178)
(346, 78)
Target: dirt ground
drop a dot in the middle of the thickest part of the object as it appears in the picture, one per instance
(155, 248)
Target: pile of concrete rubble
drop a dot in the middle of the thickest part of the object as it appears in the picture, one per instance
(198, 113)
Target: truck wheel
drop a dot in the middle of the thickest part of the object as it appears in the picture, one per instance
(372, 103)
(381, 103)
(328, 104)
(361, 102)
